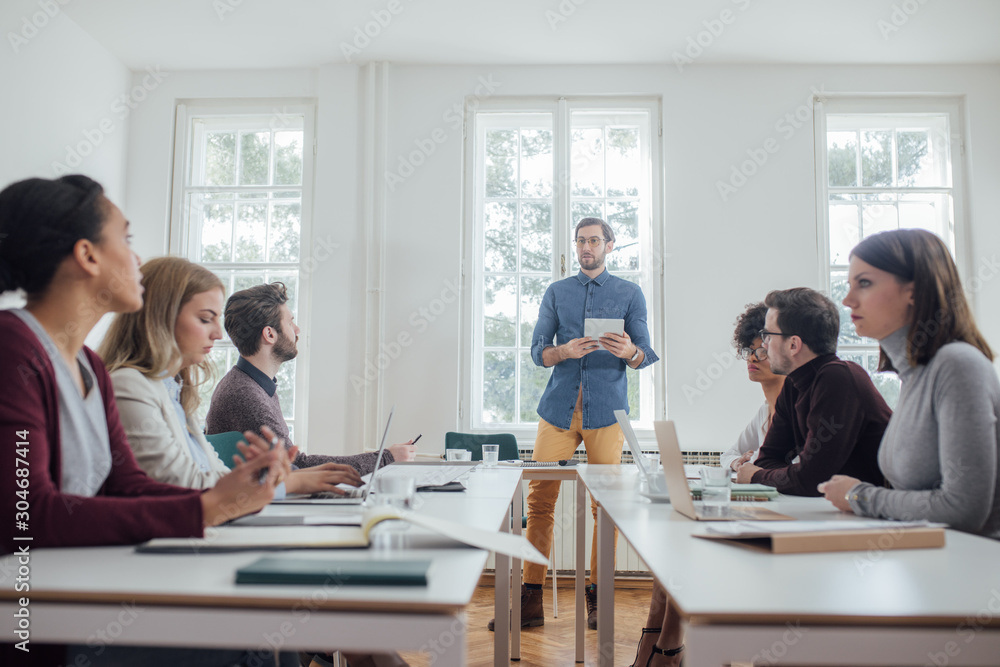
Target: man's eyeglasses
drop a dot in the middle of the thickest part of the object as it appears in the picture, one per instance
(765, 335)
(758, 353)
(593, 241)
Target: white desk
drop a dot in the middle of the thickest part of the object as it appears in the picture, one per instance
(897, 607)
(563, 474)
(191, 600)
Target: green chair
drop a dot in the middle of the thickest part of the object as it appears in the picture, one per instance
(224, 445)
(474, 442)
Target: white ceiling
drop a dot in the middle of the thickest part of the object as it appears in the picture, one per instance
(199, 34)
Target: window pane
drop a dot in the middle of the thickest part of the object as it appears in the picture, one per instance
(501, 236)
(286, 389)
(536, 236)
(498, 387)
(838, 290)
(501, 163)
(255, 157)
(500, 311)
(876, 158)
(624, 164)
(216, 231)
(533, 381)
(879, 217)
(927, 211)
(914, 160)
(844, 232)
(842, 158)
(587, 163)
(632, 376)
(220, 158)
(286, 227)
(623, 216)
(536, 163)
(288, 158)
(251, 232)
(532, 290)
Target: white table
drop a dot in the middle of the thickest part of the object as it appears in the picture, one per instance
(892, 607)
(563, 474)
(192, 601)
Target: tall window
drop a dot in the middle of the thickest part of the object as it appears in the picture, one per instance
(537, 172)
(239, 210)
(883, 171)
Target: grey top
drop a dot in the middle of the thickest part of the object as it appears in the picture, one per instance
(83, 426)
(939, 451)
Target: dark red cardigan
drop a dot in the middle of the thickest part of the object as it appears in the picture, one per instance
(128, 509)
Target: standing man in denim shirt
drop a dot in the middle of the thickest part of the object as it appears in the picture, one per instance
(583, 391)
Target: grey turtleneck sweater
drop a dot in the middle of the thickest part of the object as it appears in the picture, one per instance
(940, 450)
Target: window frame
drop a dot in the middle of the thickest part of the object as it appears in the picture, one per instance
(272, 112)
(560, 110)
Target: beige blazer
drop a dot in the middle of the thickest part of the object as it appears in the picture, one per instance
(157, 437)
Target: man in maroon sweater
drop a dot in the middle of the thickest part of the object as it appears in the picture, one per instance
(829, 418)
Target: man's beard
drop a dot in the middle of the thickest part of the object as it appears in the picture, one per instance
(592, 263)
(284, 349)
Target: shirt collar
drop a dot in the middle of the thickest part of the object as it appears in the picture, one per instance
(803, 376)
(269, 385)
(600, 280)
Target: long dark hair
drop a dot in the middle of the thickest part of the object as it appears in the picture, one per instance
(40, 222)
(941, 313)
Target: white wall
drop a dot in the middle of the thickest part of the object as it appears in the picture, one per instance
(59, 88)
(717, 261)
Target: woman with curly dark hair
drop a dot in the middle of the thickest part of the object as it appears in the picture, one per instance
(660, 643)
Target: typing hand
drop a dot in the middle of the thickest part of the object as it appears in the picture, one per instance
(242, 491)
(323, 477)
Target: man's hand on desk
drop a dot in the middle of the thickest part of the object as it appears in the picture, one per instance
(323, 477)
(836, 489)
(405, 451)
(735, 465)
(745, 473)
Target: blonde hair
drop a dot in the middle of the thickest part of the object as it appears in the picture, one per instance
(144, 340)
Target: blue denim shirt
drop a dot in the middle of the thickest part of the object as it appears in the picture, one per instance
(564, 307)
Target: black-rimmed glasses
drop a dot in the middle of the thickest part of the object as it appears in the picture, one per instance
(758, 353)
(765, 335)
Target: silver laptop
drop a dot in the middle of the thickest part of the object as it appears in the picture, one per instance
(653, 480)
(353, 496)
(680, 493)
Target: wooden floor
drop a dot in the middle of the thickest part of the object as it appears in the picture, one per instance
(553, 644)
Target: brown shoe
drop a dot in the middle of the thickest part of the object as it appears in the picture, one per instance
(591, 594)
(531, 609)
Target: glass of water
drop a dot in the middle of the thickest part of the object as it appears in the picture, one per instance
(716, 490)
(491, 454)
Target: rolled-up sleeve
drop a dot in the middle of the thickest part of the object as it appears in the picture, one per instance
(545, 329)
(637, 330)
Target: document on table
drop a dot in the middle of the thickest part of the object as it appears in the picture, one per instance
(767, 528)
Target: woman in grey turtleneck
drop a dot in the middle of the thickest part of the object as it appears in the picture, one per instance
(940, 450)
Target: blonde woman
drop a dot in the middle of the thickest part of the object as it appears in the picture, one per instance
(158, 359)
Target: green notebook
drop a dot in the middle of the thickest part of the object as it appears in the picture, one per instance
(741, 492)
(308, 571)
